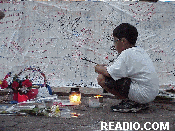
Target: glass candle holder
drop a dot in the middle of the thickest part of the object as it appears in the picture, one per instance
(75, 96)
(94, 102)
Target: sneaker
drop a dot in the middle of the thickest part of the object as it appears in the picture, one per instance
(129, 106)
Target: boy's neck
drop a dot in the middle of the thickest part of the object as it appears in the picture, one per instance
(129, 46)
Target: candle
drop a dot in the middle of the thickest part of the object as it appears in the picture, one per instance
(75, 96)
(75, 115)
(100, 98)
(94, 102)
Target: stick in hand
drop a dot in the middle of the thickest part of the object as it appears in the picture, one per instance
(89, 60)
(104, 91)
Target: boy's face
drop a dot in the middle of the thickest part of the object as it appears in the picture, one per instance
(121, 44)
(118, 45)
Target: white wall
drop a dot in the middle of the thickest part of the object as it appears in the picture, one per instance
(56, 35)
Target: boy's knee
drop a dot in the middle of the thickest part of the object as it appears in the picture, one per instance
(101, 79)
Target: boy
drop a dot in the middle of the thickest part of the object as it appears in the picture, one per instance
(132, 76)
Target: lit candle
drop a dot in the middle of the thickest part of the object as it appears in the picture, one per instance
(100, 98)
(94, 102)
(75, 115)
(75, 96)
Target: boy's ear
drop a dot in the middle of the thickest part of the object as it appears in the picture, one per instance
(123, 40)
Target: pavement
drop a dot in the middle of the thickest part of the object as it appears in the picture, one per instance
(160, 114)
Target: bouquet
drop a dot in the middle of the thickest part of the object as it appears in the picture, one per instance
(24, 84)
(17, 85)
(25, 80)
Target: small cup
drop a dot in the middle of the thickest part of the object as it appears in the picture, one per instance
(94, 102)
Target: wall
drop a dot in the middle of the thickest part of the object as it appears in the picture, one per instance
(54, 36)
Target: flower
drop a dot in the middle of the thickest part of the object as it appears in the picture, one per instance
(20, 83)
(15, 85)
(27, 83)
(8, 75)
(55, 111)
(4, 84)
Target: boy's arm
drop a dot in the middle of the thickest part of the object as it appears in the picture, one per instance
(101, 69)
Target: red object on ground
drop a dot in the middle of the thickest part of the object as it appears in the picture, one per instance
(30, 95)
(19, 98)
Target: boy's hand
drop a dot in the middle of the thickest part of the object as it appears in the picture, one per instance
(101, 69)
(98, 67)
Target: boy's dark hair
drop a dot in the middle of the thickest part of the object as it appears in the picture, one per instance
(126, 31)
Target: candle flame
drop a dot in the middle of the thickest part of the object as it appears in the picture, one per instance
(76, 99)
(97, 96)
(75, 114)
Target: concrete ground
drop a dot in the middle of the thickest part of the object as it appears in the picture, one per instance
(90, 119)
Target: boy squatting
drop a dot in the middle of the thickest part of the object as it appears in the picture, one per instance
(132, 77)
